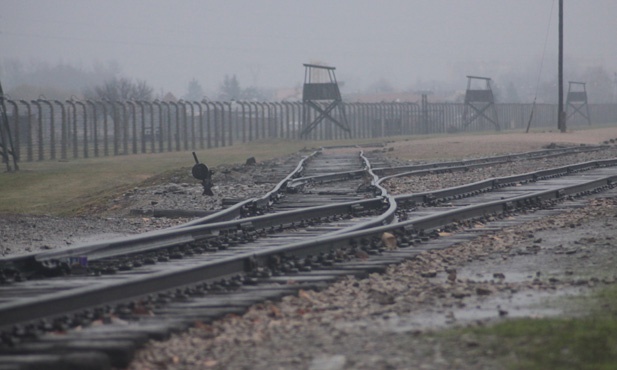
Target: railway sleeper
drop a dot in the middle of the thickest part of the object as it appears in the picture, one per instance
(283, 265)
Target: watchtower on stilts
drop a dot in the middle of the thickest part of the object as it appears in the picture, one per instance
(321, 93)
(480, 103)
(577, 100)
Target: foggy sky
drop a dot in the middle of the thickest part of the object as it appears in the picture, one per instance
(265, 42)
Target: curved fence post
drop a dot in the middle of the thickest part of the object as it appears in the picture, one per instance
(52, 127)
(29, 131)
(298, 106)
(351, 119)
(95, 134)
(374, 123)
(104, 104)
(213, 125)
(221, 125)
(280, 118)
(168, 131)
(259, 117)
(152, 129)
(192, 133)
(177, 134)
(208, 128)
(16, 132)
(407, 120)
(40, 129)
(230, 122)
(73, 115)
(253, 124)
(200, 108)
(364, 114)
(114, 116)
(85, 127)
(265, 128)
(262, 105)
(182, 128)
(368, 128)
(63, 130)
(243, 129)
(358, 119)
(285, 124)
(271, 120)
(133, 131)
(142, 126)
(123, 128)
(154, 132)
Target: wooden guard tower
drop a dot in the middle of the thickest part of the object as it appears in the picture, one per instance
(480, 103)
(6, 142)
(577, 100)
(322, 94)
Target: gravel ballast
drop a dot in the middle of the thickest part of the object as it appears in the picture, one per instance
(386, 321)
(389, 321)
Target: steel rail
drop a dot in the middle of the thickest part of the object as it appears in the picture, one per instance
(176, 281)
(387, 217)
(175, 236)
(389, 172)
(294, 181)
(500, 206)
(330, 177)
(60, 303)
(237, 209)
(493, 183)
(171, 237)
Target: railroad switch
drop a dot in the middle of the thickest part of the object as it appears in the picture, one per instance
(201, 172)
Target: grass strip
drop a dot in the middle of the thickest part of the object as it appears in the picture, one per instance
(579, 342)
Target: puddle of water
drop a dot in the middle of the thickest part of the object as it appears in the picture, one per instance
(520, 305)
(486, 276)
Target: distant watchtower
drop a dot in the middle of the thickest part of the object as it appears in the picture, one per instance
(577, 100)
(479, 102)
(322, 94)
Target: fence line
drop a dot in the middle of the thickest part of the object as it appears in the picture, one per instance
(53, 129)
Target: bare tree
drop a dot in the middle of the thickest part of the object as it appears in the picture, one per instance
(117, 89)
(194, 91)
(381, 86)
(59, 81)
(230, 88)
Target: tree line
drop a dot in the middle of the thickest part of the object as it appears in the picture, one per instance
(104, 82)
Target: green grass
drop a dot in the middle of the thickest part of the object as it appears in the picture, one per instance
(69, 187)
(588, 342)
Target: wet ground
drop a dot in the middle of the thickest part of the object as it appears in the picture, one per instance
(536, 269)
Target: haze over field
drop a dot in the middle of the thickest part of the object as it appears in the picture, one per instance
(403, 44)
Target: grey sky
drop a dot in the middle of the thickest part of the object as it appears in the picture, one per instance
(265, 42)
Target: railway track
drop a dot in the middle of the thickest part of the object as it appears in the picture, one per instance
(207, 278)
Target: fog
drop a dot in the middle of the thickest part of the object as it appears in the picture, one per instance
(409, 44)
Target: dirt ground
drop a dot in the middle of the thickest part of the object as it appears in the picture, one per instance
(468, 146)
